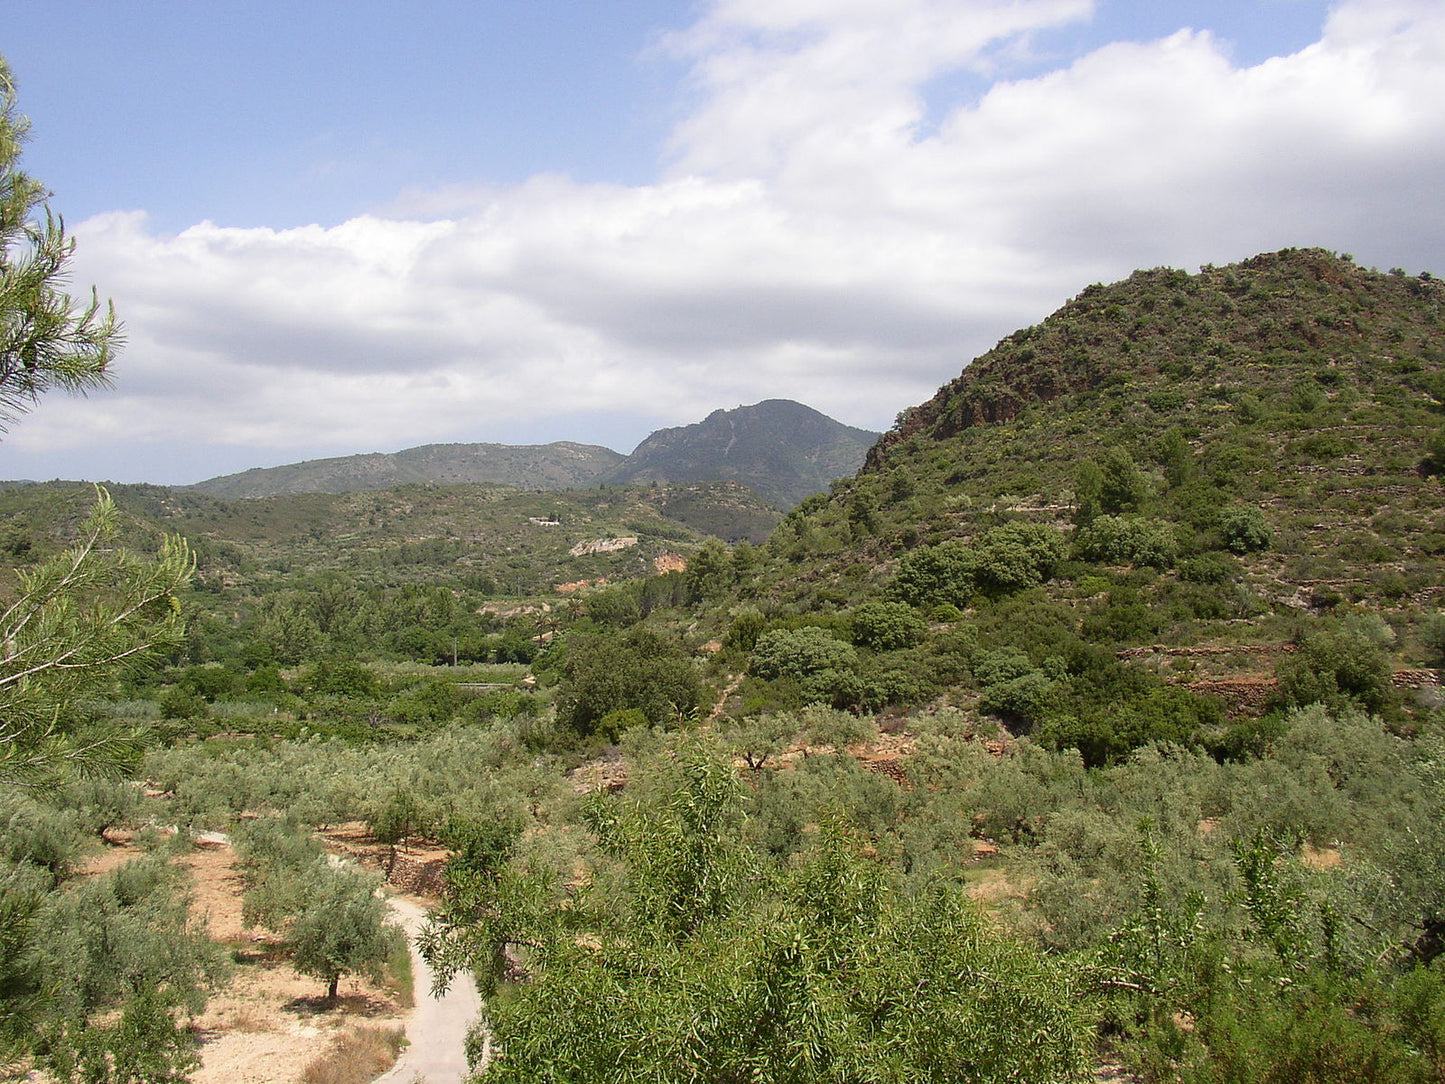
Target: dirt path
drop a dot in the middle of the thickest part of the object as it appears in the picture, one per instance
(437, 1028)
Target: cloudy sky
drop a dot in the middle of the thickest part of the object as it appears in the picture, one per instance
(334, 227)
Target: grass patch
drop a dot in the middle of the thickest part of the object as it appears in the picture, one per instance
(400, 983)
(357, 1056)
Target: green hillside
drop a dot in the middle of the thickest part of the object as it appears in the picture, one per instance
(494, 538)
(1219, 462)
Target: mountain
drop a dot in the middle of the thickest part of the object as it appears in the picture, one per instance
(560, 465)
(782, 450)
(1178, 496)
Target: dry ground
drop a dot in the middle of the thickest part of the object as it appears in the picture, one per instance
(271, 1021)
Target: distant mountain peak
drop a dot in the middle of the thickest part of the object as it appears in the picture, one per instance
(781, 449)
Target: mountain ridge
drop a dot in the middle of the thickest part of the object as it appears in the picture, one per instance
(558, 465)
(781, 449)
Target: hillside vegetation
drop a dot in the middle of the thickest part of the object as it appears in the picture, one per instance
(1223, 466)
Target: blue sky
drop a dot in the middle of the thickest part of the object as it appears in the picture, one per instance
(344, 227)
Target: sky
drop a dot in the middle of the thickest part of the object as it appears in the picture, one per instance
(336, 227)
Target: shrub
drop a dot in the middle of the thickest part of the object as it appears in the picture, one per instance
(1017, 556)
(886, 626)
(933, 575)
(639, 669)
(1335, 667)
(799, 653)
(1432, 637)
(357, 1056)
(1126, 540)
(1434, 460)
(1245, 529)
(746, 627)
(1108, 486)
(1025, 699)
(1209, 568)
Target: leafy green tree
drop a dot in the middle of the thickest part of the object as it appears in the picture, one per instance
(714, 969)
(1433, 462)
(287, 627)
(124, 942)
(396, 818)
(639, 669)
(1432, 636)
(1109, 485)
(886, 626)
(932, 575)
(342, 929)
(1016, 556)
(1338, 666)
(1126, 540)
(1176, 456)
(330, 916)
(1088, 492)
(1245, 529)
(709, 572)
(747, 625)
(1000, 561)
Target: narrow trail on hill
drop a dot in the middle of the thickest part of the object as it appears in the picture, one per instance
(437, 1028)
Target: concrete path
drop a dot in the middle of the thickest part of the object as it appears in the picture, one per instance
(438, 1026)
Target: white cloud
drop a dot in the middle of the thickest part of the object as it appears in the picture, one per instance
(812, 237)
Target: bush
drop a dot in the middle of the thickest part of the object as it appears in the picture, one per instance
(744, 630)
(1126, 540)
(1209, 568)
(1245, 529)
(886, 626)
(639, 669)
(1432, 638)
(1017, 556)
(799, 653)
(357, 1056)
(1335, 667)
(936, 575)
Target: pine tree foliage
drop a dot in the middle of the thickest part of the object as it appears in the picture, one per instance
(46, 340)
(82, 619)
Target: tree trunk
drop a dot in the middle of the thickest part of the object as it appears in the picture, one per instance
(331, 990)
